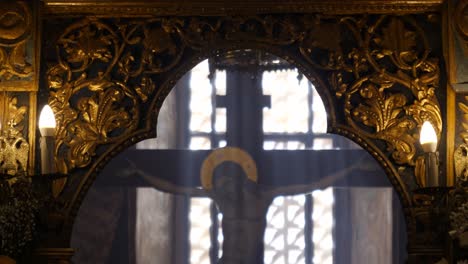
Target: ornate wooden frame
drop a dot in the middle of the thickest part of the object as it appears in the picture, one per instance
(108, 66)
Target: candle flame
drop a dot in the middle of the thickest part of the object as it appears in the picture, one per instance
(46, 120)
(428, 137)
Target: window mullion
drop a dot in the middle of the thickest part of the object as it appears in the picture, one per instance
(310, 99)
(308, 229)
(213, 139)
(214, 232)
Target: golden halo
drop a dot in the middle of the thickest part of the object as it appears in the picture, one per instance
(218, 156)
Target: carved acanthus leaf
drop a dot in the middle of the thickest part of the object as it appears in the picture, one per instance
(379, 79)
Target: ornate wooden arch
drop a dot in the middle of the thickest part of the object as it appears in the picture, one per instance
(375, 79)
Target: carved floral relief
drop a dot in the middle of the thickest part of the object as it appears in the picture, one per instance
(387, 84)
(109, 73)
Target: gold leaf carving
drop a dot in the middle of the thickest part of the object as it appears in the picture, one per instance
(146, 88)
(14, 148)
(12, 116)
(99, 116)
(86, 46)
(379, 69)
(387, 82)
(15, 30)
(399, 47)
(106, 71)
(103, 74)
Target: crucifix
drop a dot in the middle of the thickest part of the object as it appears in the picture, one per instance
(243, 179)
(242, 190)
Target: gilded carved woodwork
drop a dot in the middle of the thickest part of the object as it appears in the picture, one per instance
(18, 84)
(379, 69)
(385, 59)
(110, 76)
(15, 28)
(100, 117)
(14, 148)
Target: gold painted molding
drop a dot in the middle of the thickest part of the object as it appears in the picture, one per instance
(216, 7)
(450, 122)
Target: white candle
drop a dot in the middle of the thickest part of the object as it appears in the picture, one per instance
(47, 143)
(428, 140)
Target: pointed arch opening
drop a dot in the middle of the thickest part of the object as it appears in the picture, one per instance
(204, 131)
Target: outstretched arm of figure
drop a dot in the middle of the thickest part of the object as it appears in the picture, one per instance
(321, 184)
(133, 171)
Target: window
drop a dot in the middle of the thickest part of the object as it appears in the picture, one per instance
(271, 107)
(270, 110)
(295, 119)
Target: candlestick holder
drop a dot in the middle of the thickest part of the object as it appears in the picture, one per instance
(428, 140)
(23, 196)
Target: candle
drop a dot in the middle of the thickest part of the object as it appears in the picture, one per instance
(428, 140)
(47, 142)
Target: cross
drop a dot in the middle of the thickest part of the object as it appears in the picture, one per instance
(243, 199)
(178, 171)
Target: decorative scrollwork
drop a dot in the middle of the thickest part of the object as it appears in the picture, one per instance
(104, 73)
(15, 29)
(108, 71)
(88, 102)
(386, 81)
